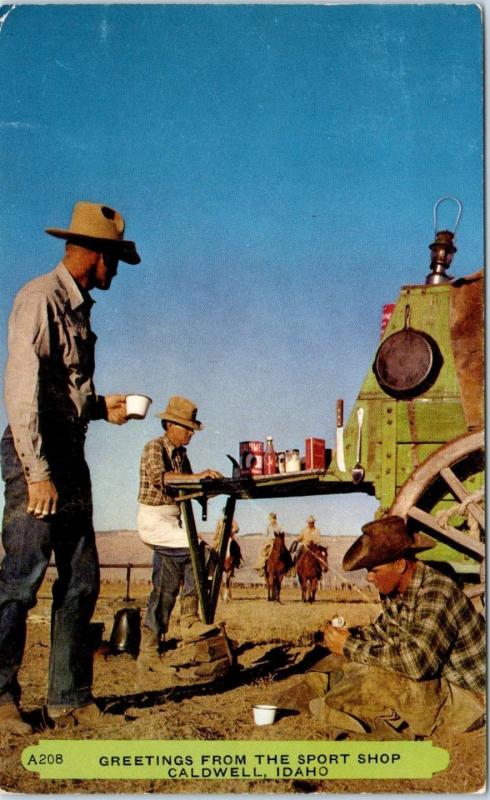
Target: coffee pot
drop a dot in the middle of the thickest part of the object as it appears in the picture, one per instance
(126, 633)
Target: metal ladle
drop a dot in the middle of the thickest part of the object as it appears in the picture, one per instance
(358, 470)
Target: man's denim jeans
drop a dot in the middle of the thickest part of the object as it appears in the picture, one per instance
(28, 543)
(171, 568)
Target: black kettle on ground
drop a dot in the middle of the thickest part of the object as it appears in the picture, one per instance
(126, 633)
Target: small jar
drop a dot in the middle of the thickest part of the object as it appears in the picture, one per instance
(281, 462)
(293, 461)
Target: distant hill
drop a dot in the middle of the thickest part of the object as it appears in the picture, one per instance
(122, 547)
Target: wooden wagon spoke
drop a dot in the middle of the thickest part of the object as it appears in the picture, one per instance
(442, 471)
(451, 535)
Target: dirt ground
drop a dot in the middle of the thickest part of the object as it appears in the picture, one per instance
(274, 643)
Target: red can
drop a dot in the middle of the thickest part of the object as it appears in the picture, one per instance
(251, 459)
(314, 453)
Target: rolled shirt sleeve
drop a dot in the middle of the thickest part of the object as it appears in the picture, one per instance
(152, 473)
(155, 468)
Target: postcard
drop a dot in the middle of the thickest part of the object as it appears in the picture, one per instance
(242, 357)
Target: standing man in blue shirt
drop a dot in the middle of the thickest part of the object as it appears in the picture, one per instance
(50, 399)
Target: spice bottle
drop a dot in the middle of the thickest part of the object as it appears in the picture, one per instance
(270, 458)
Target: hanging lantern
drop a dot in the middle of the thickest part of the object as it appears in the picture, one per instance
(442, 248)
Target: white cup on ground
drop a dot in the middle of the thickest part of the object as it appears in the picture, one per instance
(137, 406)
(264, 715)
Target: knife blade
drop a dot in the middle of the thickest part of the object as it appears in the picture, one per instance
(339, 453)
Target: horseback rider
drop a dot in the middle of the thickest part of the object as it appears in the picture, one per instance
(272, 528)
(309, 535)
(218, 532)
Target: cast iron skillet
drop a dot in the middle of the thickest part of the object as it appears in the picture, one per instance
(408, 362)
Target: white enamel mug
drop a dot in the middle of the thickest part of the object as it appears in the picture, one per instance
(137, 406)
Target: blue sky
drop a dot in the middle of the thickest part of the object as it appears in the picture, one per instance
(277, 167)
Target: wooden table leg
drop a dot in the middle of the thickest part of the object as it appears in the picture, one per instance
(200, 576)
(223, 545)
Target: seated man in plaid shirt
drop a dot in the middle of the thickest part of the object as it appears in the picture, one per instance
(159, 526)
(419, 668)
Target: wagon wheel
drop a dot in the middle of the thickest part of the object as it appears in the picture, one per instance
(441, 473)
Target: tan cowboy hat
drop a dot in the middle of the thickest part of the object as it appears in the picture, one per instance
(94, 224)
(310, 518)
(272, 515)
(383, 541)
(182, 412)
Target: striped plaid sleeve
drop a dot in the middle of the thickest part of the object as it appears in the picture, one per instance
(467, 666)
(420, 648)
(375, 632)
(152, 463)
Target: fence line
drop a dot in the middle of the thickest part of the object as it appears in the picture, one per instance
(128, 567)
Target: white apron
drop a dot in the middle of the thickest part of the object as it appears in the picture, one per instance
(160, 525)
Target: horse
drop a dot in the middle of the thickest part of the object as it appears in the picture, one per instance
(233, 560)
(278, 563)
(310, 566)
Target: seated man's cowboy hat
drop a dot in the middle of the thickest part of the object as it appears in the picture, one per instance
(96, 226)
(182, 412)
(383, 541)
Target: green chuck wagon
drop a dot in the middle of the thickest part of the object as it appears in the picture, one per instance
(415, 435)
(422, 420)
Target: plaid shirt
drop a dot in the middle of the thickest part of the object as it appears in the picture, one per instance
(160, 456)
(431, 631)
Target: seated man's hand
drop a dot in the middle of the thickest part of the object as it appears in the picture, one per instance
(334, 638)
(208, 473)
(43, 499)
(116, 408)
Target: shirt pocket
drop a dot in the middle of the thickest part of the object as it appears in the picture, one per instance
(84, 346)
(78, 346)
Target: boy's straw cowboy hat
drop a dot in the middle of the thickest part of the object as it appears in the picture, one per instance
(383, 541)
(94, 225)
(182, 412)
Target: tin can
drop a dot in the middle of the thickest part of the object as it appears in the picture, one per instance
(281, 462)
(251, 459)
(293, 461)
(314, 453)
